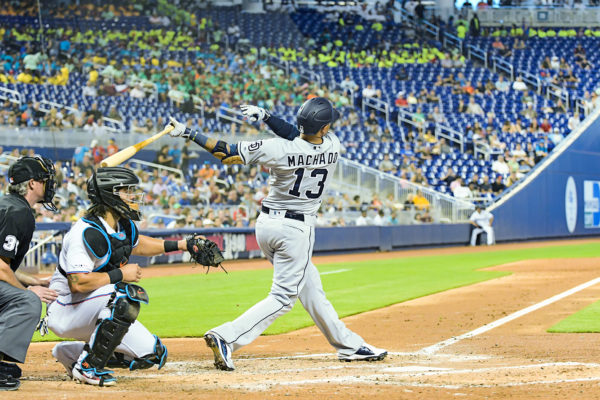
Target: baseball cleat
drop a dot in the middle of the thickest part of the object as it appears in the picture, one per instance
(93, 377)
(7, 382)
(221, 351)
(366, 352)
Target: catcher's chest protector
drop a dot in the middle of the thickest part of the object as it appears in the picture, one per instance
(117, 246)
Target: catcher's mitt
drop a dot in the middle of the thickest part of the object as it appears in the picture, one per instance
(205, 252)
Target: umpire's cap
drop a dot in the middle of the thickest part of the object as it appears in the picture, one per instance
(314, 114)
(37, 168)
(26, 168)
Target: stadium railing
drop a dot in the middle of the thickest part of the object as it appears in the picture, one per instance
(353, 176)
(11, 95)
(110, 124)
(378, 105)
(159, 167)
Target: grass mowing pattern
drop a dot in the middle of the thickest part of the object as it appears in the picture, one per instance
(189, 305)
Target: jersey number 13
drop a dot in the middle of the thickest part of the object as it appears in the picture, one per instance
(295, 191)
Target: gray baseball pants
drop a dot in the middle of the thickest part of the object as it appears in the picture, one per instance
(20, 312)
(288, 245)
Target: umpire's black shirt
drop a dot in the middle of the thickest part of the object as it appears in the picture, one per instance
(16, 228)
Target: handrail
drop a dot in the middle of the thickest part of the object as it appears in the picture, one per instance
(422, 188)
(11, 95)
(480, 147)
(365, 180)
(531, 79)
(504, 66)
(337, 86)
(310, 76)
(378, 105)
(408, 118)
(157, 166)
(580, 107)
(230, 114)
(557, 91)
(453, 40)
(200, 106)
(451, 134)
(284, 65)
(474, 51)
(431, 28)
(110, 124)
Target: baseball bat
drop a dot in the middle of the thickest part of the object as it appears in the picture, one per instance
(128, 152)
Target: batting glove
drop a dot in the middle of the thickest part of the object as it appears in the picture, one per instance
(254, 113)
(179, 130)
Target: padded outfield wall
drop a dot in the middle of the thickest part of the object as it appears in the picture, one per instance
(561, 197)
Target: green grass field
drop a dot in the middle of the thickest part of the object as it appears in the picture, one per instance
(189, 305)
(586, 320)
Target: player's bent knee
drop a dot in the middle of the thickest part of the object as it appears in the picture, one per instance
(32, 305)
(126, 310)
(286, 300)
(110, 331)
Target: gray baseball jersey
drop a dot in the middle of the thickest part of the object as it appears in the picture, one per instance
(300, 171)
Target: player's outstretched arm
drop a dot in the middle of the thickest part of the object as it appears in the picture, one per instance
(227, 153)
(279, 127)
(149, 246)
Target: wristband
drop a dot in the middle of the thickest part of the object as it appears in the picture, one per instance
(115, 275)
(171, 245)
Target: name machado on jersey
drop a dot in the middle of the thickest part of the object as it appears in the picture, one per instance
(309, 160)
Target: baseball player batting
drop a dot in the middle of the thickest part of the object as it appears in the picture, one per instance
(98, 302)
(302, 163)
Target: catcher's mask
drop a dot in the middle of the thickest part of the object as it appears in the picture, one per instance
(40, 169)
(314, 114)
(117, 188)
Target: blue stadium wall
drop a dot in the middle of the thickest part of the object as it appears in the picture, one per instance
(563, 200)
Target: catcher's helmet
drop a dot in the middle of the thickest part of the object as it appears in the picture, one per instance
(314, 114)
(104, 185)
(39, 169)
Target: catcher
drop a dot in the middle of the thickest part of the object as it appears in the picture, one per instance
(98, 302)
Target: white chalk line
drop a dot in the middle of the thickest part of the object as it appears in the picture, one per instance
(403, 371)
(438, 346)
(450, 371)
(387, 379)
(337, 271)
(396, 375)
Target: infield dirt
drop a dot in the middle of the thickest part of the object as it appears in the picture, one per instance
(516, 360)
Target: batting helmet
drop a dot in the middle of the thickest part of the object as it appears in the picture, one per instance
(39, 169)
(104, 188)
(314, 114)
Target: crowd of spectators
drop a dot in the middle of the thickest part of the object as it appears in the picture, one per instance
(142, 64)
(211, 196)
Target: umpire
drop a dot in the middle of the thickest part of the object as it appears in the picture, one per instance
(31, 181)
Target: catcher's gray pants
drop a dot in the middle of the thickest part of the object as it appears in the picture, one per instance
(288, 245)
(20, 312)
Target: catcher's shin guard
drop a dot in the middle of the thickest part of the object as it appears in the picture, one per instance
(110, 332)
